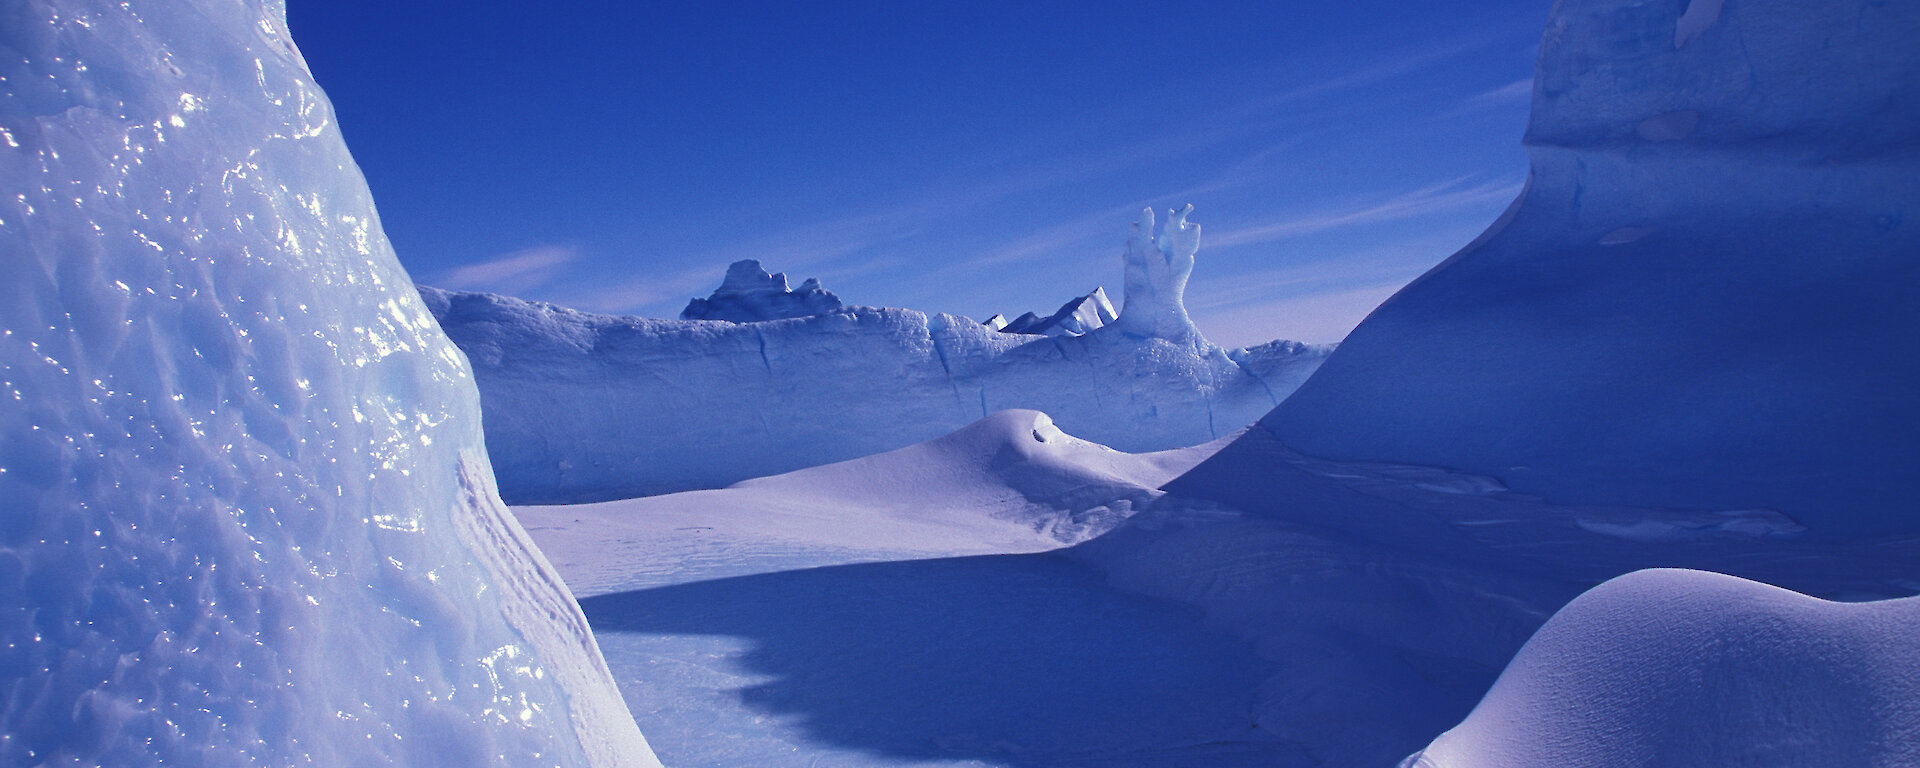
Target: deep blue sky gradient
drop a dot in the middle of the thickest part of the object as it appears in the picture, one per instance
(966, 158)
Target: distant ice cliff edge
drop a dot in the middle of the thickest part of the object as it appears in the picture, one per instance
(583, 407)
(245, 514)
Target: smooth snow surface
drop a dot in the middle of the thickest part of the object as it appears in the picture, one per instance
(247, 516)
(1687, 668)
(583, 407)
(1703, 300)
(903, 609)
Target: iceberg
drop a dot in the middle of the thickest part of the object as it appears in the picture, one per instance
(583, 407)
(1703, 298)
(750, 295)
(1077, 317)
(248, 517)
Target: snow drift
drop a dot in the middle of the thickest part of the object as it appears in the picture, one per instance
(1702, 300)
(1673, 667)
(248, 519)
(584, 407)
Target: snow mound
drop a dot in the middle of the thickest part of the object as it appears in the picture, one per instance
(1010, 482)
(583, 407)
(1674, 667)
(749, 295)
(1702, 299)
(248, 517)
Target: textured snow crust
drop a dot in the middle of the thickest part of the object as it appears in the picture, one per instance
(1704, 297)
(247, 518)
(583, 407)
(1686, 668)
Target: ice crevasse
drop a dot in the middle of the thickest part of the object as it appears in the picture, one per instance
(245, 513)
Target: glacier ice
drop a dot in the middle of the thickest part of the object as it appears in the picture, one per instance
(584, 407)
(1078, 317)
(1702, 300)
(248, 519)
(1760, 676)
(750, 295)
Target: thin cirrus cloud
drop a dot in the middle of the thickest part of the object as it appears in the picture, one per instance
(1445, 196)
(512, 273)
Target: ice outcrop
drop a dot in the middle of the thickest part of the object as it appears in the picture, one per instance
(248, 517)
(1674, 667)
(584, 407)
(750, 295)
(1157, 268)
(1702, 300)
(1077, 317)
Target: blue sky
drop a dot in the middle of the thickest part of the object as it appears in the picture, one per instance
(967, 158)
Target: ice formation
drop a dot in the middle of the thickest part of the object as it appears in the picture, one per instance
(248, 516)
(1674, 667)
(1077, 317)
(1157, 269)
(584, 407)
(750, 295)
(1702, 300)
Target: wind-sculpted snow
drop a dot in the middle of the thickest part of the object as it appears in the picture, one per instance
(1686, 668)
(247, 519)
(1704, 298)
(583, 407)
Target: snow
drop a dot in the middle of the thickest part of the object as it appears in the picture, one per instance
(249, 520)
(1157, 268)
(909, 609)
(749, 295)
(1701, 300)
(583, 407)
(1676, 667)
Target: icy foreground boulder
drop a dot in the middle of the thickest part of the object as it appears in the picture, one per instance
(1760, 675)
(749, 295)
(1704, 299)
(245, 515)
(584, 407)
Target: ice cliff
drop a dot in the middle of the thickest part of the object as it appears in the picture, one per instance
(750, 295)
(1688, 345)
(1704, 297)
(247, 515)
(584, 407)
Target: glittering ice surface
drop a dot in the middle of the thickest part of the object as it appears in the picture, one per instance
(245, 515)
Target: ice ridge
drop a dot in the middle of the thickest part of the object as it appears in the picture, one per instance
(749, 295)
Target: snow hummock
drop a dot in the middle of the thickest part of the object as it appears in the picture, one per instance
(749, 295)
(1703, 298)
(584, 407)
(248, 516)
(1675, 667)
(909, 608)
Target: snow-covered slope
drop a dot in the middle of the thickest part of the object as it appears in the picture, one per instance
(583, 407)
(1704, 298)
(904, 609)
(247, 517)
(1688, 668)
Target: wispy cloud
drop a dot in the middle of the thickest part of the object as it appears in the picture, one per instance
(1445, 196)
(1518, 90)
(1315, 318)
(512, 273)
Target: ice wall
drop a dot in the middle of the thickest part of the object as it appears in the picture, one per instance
(245, 514)
(585, 407)
(1704, 298)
